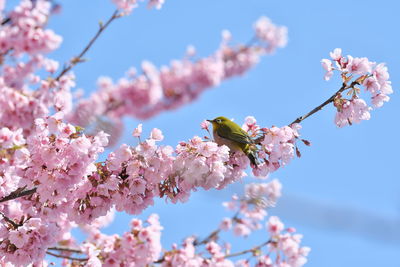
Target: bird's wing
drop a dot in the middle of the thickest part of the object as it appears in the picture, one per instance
(240, 136)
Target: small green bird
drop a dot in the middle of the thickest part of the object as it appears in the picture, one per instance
(228, 133)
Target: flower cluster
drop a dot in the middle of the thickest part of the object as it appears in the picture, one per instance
(140, 246)
(275, 36)
(258, 197)
(132, 177)
(24, 40)
(276, 146)
(21, 106)
(128, 5)
(282, 249)
(61, 159)
(156, 90)
(13, 160)
(25, 32)
(187, 256)
(129, 179)
(55, 160)
(43, 152)
(28, 242)
(287, 242)
(372, 76)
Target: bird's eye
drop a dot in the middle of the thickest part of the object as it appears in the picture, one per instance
(219, 121)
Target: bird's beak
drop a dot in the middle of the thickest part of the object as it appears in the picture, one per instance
(210, 120)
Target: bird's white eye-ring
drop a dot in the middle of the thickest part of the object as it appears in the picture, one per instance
(219, 121)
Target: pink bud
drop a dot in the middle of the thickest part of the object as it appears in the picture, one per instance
(138, 131)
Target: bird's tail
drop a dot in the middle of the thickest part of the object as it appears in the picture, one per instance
(252, 155)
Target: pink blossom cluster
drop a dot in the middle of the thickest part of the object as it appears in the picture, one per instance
(140, 246)
(372, 76)
(22, 73)
(132, 177)
(258, 197)
(275, 36)
(282, 249)
(56, 160)
(28, 242)
(42, 150)
(13, 160)
(129, 179)
(188, 256)
(205, 164)
(276, 146)
(25, 32)
(23, 40)
(20, 107)
(128, 5)
(61, 160)
(287, 242)
(156, 90)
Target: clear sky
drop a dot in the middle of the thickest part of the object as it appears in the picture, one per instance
(343, 193)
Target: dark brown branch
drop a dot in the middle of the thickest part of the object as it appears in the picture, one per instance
(252, 250)
(329, 100)
(14, 224)
(18, 193)
(214, 234)
(78, 59)
(5, 21)
(66, 249)
(66, 257)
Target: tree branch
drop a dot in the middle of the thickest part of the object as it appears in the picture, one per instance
(66, 249)
(66, 257)
(252, 250)
(21, 192)
(5, 21)
(15, 225)
(214, 234)
(329, 100)
(78, 59)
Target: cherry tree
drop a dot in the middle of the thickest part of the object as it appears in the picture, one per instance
(51, 178)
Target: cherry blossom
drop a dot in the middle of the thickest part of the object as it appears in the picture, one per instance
(282, 249)
(357, 72)
(51, 178)
(169, 87)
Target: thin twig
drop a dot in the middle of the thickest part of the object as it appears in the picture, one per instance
(5, 21)
(66, 249)
(78, 59)
(329, 100)
(15, 225)
(248, 250)
(214, 234)
(66, 257)
(18, 193)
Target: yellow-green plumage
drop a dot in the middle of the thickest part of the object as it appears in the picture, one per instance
(228, 133)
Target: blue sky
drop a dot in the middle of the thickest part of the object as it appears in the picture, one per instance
(343, 193)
